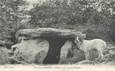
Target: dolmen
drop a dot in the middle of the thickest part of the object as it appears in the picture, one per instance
(43, 45)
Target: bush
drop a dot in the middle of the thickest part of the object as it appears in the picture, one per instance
(4, 55)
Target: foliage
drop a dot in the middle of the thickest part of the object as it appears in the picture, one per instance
(11, 16)
(4, 55)
(76, 14)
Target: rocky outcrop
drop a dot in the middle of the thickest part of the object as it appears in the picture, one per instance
(42, 45)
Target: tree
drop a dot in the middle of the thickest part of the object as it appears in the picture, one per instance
(92, 15)
(11, 14)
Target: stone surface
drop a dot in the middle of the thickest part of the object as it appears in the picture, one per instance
(27, 50)
(48, 32)
(43, 45)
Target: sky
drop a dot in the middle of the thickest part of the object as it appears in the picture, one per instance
(31, 2)
(34, 1)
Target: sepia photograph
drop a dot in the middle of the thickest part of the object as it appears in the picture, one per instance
(57, 32)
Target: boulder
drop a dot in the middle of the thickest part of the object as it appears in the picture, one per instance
(26, 51)
(74, 56)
